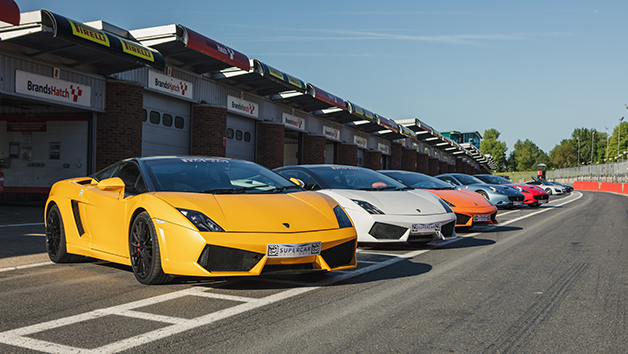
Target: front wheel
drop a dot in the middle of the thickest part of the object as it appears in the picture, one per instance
(484, 194)
(144, 251)
(55, 238)
(548, 191)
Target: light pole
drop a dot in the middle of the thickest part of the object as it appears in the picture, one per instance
(592, 137)
(606, 159)
(619, 135)
(578, 156)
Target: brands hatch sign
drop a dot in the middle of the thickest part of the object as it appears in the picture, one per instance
(52, 89)
(294, 122)
(170, 85)
(241, 106)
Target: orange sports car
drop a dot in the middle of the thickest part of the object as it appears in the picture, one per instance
(470, 208)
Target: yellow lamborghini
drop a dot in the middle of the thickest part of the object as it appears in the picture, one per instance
(196, 216)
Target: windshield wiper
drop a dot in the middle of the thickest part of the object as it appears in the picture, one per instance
(232, 190)
(281, 189)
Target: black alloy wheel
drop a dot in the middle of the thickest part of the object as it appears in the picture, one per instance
(55, 238)
(144, 251)
(484, 194)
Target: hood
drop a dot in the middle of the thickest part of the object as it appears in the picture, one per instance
(390, 202)
(303, 211)
(463, 198)
(505, 189)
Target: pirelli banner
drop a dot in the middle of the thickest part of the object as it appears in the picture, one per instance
(82, 34)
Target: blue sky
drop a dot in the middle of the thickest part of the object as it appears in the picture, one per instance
(530, 69)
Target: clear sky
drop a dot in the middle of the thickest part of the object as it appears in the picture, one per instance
(530, 69)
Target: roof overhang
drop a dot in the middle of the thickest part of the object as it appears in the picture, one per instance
(9, 12)
(58, 40)
(190, 50)
(312, 100)
(261, 79)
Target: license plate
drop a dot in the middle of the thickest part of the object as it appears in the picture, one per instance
(278, 250)
(482, 218)
(542, 201)
(424, 228)
(517, 203)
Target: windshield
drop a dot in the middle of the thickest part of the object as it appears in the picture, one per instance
(348, 177)
(495, 179)
(215, 175)
(420, 181)
(466, 179)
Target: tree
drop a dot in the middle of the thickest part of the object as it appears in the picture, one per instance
(525, 156)
(491, 146)
(564, 155)
(612, 143)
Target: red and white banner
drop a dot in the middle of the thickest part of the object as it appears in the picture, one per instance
(362, 142)
(170, 85)
(241, 106)
(52, 89)
(294, 122)
(331, 133)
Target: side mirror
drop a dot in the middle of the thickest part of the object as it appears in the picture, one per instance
(297, 181)
(114, 184)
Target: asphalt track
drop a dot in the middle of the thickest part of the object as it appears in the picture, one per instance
(546, 280)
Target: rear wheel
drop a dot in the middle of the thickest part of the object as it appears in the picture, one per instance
(144, 251)
(55, 238)
(484, 194)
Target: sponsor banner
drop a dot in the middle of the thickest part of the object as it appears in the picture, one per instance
(211, 48)
(385, 149)
(406, 131)
(388, 123)
(362, 142)
(170, 85)
(137, 50)
(241, 106)
(26, 126)
(327, 97)
(331, 133)
(281, 76)
(293, 121)
(89, 33)
(52, 89)
(363, 112)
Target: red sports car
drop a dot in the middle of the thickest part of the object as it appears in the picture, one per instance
(534, 195)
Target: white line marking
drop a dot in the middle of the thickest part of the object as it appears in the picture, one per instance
(16, 337)
(18, 225)
(25, 266)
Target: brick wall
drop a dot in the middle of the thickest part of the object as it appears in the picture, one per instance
(443, 167)
(422, 162)
(313, 149)
(348, 154)
(209, 126)
(409, 159)
(119, 129)
(433, 167)
(396, 156)
(270, 141)
(373, 160)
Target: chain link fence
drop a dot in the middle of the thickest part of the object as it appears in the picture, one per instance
(611, 172)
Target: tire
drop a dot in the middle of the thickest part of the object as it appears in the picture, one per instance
(55, 238)
(548, 191)
(484, 194)
(144, 252)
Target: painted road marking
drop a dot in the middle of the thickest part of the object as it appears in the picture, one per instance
(18, 337)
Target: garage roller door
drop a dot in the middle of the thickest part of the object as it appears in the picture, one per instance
(240, 138)
(166, 127)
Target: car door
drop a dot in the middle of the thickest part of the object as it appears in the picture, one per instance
(106, 210)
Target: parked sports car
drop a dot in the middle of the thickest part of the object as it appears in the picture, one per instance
(534, 195)
(470, 208)
(382, 208)
(502, 196)
(547, 186)
(196, 216)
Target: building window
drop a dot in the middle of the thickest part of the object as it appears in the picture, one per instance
(154, 117)
(238, 135)
(179, 122)
(247, 137)
(167, 120)
(144, 115)
(229, 133)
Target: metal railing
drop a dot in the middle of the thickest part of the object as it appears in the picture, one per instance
(610, 172)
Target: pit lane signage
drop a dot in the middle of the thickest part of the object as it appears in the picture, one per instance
(170, 85)
(385, 149)
(331, 133)
(243, 107)
(360, 141)
(52, 89)
(293, 121)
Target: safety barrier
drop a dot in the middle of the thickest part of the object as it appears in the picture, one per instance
(601, 186)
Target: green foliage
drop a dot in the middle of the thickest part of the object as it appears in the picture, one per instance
(564, 155)
(526, 155)
(491, 146)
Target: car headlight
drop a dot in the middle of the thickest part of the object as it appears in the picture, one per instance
(521, 190)
(370, 208)
(446, 205)
(201, 221)
(342, 217)
(496, 190)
